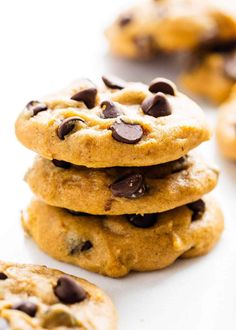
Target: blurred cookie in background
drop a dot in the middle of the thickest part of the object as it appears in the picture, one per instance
(226, 127)
(170, 26)
(212, 74)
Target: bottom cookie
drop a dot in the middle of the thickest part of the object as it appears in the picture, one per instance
(116, 245)
(38, 298)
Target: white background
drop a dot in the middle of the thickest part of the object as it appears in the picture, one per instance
(45, 45)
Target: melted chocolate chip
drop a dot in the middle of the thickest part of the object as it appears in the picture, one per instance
(110, 110)
(3, 276)
(130, 186)
(230, 66)
(88, 96)
(142, 221)
(67, 126)
(87, 245)
(156, 106)
(114, 82)
(198, 209)
(35, 107)
(125, 20)
(3, 324)
(26, 307)
(61, 163)
(81, 247)
(162, 85)
(68, 291)
(127, 133)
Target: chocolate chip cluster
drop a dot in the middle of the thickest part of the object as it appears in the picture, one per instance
(155, 105)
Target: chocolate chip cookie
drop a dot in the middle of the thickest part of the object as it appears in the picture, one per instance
(122, 190)
(38, 298)
(213, 74)
(170, 26)
(226, 127)
(118, 124)
(116, 245)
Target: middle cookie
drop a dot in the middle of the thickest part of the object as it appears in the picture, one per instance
(122, 190)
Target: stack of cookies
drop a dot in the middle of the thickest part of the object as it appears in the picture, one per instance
(118, 187)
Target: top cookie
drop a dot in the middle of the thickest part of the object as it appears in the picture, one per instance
(170, 26)
(39, 298)
(119, 124)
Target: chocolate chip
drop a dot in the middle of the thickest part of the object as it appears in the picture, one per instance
(125, 20)
(130, 186)
(26, 307)
(67, 126)
(88, 96)
(35, 107)
(68, 291)
(3, 324)
(127, 133)
(156, 106)
(81, 247)
(114, 82)
(3, 276)
(215, 46)
(142, 221)
(230, 66)
(87, 245)
(198, 209)
(110, 110)
(162, 85)
(61, 163)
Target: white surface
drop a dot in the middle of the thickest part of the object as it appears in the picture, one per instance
(45, 45)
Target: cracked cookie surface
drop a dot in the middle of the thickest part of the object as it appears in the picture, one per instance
(116, 245)
(122, 190)
(38, 298)
(119, 124)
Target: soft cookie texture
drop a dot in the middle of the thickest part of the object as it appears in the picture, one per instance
(226, 127)
(213, 75)
(119, 124)
(116, 245)
(122, 190)
(38, 298)
(170, 26)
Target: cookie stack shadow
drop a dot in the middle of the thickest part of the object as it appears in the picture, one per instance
(117, 185)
